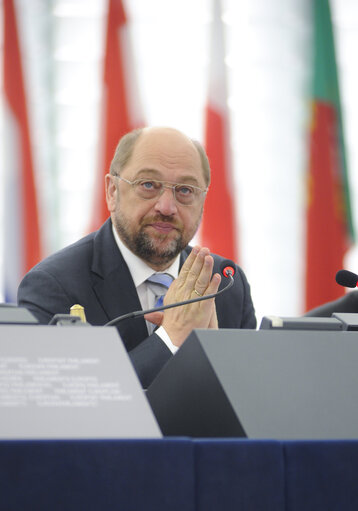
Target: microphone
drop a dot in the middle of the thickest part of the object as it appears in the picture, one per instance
(346, 278)
(227, 268)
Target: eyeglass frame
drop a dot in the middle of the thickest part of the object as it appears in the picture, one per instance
(165, 184)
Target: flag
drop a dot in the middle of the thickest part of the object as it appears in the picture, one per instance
(22, 237)
(120, 104)
(218, 229)
(329, 222)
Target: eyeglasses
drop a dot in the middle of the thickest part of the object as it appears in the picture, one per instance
(151, 189)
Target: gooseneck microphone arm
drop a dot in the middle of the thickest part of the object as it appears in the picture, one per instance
(228, 271)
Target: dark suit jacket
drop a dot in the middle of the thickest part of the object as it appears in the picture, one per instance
(347, 303)
(93, 273)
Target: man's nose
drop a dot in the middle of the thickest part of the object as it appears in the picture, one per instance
(166, 203)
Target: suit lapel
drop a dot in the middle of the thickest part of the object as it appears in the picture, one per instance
(184, 254)
(114, 287)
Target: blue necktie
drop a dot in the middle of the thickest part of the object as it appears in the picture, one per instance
(159, 283)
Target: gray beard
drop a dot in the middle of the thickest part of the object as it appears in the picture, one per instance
(142, 245)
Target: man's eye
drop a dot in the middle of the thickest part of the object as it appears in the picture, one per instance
(185, 190)
(148, 185)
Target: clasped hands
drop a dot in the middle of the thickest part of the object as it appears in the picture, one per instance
(195, 279)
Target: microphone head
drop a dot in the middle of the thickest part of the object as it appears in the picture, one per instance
(227, 268)
(346, 278)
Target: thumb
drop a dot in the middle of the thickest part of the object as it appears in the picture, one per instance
(155, 317)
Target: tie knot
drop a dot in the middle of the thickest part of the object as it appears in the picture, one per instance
(159, 283)
(163, 279)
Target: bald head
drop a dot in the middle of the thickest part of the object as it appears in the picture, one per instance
(153, 139)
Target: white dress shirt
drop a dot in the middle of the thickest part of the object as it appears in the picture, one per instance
(140, 272)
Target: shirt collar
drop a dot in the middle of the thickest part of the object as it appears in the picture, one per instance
(139, 270)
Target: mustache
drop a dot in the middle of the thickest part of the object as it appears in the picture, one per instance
(161, 218)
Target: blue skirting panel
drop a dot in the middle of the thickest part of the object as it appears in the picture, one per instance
(321, 475)
(229, 473)
(178, 475)
(97, 475)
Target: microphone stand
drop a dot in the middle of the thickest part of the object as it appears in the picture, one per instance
(140, 313)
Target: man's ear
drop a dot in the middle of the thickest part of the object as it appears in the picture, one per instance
(111, 192)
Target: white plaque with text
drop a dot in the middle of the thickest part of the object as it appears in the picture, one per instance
(69, 382)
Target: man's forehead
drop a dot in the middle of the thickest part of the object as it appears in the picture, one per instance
(162, 152)
(168, 142)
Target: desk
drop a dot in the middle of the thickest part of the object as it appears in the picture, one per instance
(178, 474)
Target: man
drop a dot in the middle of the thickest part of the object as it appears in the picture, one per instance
(155, 195)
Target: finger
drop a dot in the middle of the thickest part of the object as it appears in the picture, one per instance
(213, 285)
(196, 268)
(155, 317)
(188, 264)
(203, 279)
(190, 272)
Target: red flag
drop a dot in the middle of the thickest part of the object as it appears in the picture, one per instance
(120, 99)
(329, 224)
(218, 230)
(22, 238)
